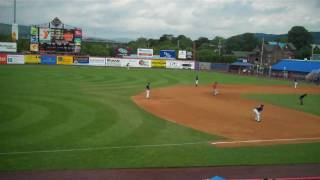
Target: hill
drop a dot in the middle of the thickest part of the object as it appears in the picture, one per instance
(272, 37)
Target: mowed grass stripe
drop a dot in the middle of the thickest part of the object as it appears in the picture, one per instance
(87, 107)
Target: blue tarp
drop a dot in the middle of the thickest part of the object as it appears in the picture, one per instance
(296, 65)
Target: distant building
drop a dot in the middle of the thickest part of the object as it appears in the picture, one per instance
(272, 52)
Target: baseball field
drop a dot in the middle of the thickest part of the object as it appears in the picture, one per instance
(72, 117)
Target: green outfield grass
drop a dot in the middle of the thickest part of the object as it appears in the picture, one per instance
(48, 108)
(311, 102)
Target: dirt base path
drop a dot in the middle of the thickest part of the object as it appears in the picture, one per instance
(229, 115)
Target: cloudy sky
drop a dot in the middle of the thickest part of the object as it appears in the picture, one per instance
(153, 18)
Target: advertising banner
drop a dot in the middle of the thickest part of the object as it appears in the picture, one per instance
(34, 47)
(15, 32)
(140, 63)
(15, 59)
(34, 31)
(45, 35)
(34, 39)
(176, 64)
(171, 64)
(182, 55)
(8, 47)
(77, 49)
(145, 52)
(97, 61)
(32, 59)
(48, 59)
(77, 41)
(168, 54)
(68, 35)
(3, 58)
(81, 60)
(189, 55)
(158, 63)
(144, 63)
(120, 52)
(78, 33)
(114, 62)
(65, 60)
(204, 65)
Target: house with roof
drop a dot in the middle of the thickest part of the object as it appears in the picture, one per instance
(272, 52)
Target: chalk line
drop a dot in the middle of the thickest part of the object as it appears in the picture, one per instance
(103, 148)
(263, 140)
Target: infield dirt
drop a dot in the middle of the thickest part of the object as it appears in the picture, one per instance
(230, 115)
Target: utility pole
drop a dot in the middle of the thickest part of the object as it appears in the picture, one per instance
(178, 43)
(219, 46)
(261, 52)
(194, 51)
(14, 11)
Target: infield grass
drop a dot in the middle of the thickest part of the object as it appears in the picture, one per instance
(52, 108)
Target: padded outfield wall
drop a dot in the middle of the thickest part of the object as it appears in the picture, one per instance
(95, 61)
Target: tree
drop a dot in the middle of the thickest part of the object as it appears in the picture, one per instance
(299, 37)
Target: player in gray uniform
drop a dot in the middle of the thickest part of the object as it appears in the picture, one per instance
(197, 80)
(257, 111)
(148, 90)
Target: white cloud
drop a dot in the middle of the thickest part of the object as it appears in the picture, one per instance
(149, 18)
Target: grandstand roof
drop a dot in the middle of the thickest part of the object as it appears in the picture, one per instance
(296, 65)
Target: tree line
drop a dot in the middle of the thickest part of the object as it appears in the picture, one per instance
(218, 49)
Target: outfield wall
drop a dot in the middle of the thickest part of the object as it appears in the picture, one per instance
(95, 61)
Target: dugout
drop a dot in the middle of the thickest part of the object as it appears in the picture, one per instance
(241, 66)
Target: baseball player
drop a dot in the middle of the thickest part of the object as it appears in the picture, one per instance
(301, 98)
(197, 80)
(148, 90)
(215, 88)
(257, 111)
(295, 83)
(128, 66)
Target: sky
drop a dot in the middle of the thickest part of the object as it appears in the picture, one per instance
(153, 18)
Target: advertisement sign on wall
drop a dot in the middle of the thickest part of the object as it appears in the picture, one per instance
(34, 47)
(32, 59)
(66, 60)
(145, 52)
(15, 32)
(113, 62)
(77, 41)
(168, 54)
(48, 59)
(33, 31)
(120, 52)
(78, 33)
(177, 64)
(15, 59)
(68, 35)
(189, 55)
(97, 61)
(158, 63)
(8, 47)
(44, 35)
(3, 58)
(182, 55)
(81, 60)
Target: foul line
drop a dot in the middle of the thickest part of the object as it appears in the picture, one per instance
(263, 140)
(102, 148)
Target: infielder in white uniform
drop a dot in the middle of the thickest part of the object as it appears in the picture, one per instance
(257, 111)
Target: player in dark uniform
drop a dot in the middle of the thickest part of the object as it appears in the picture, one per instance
(148, 90)
(301, 98)
(257, 112)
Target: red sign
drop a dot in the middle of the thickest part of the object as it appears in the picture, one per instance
(68, 36)
(3, 58)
